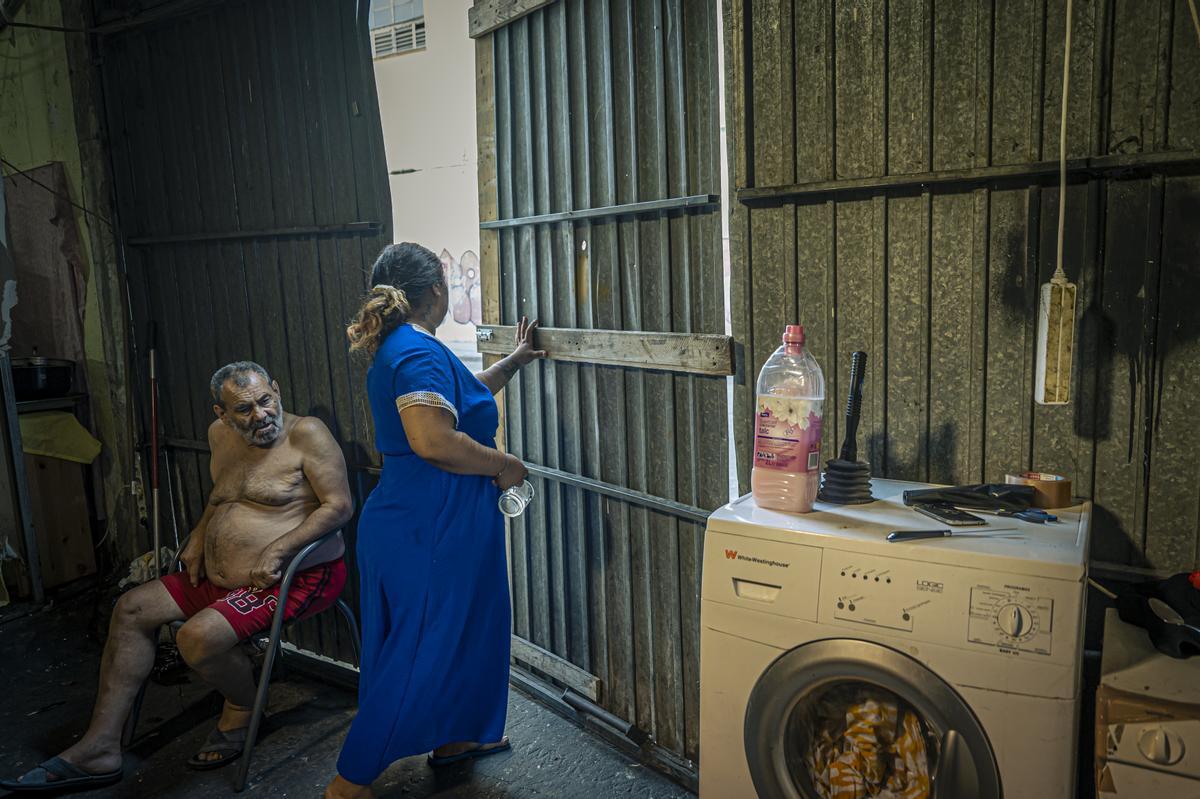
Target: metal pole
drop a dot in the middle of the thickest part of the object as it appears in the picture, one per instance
(156, 517)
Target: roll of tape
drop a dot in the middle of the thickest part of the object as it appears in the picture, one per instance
(1049, 490)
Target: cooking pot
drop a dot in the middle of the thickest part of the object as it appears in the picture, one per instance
(42, 378)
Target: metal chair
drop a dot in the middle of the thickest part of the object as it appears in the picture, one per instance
(272, 650)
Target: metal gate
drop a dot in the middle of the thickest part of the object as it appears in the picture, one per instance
(599, 182)
(251, 189)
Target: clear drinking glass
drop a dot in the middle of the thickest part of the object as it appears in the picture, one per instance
(514, 500)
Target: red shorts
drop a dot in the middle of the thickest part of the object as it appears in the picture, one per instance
(249, 611)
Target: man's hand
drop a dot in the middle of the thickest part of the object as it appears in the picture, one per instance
(525, 354)
(193, 557)
(269, 569)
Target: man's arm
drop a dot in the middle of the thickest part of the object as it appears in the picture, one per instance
(325, 469)
(193, 554)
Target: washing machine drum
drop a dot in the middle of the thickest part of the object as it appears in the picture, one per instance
(850, 719)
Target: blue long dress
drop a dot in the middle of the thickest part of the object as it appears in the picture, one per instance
(434, 581)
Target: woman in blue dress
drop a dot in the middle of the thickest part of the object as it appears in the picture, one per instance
(431, 549)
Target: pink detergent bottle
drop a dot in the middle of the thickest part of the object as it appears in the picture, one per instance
(788, 409)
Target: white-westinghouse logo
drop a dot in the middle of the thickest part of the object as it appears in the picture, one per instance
(733, 554)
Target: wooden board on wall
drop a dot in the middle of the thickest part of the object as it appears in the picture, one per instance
(60, 516)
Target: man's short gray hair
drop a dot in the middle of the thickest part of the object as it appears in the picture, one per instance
(238, 372)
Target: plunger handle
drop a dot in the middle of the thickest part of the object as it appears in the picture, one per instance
(858, 370)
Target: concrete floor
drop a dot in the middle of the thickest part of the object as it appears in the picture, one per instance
(49, 662)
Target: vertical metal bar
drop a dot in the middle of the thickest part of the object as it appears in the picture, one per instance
(32, 558)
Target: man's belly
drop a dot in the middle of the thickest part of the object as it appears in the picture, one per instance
(239, 532)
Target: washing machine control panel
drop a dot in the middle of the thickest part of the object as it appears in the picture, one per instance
(1011, 616)
(965, 608)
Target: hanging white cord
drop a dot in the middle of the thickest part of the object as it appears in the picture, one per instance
(1195, 18)
(1059, 275)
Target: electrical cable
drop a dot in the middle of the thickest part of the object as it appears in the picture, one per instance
(1195, 19)
(1101, 588)
(1062, 150)
(17, 170)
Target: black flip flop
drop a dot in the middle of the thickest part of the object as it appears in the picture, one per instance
(68, 778)
(470, 754)
(228, 744)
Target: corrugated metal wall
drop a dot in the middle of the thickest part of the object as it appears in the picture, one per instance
(252, 192)
(832, 104)
(601, 103)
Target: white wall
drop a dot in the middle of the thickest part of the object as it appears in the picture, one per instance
(427, 107)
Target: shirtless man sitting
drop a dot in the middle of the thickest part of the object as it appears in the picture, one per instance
(279, 483)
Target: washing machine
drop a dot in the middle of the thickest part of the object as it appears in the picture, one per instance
(966, 649)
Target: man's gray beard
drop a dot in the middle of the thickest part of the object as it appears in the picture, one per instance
(249, 433)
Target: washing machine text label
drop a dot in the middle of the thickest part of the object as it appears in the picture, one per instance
(733, 554)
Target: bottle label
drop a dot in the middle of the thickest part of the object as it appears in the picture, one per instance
(787, 434)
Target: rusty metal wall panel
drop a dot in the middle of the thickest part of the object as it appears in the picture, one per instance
(250, 116)
(940, 284)
(601, 103)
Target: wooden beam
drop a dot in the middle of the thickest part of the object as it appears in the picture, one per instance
(550, 664)
(1124, 165)
(488, 15)
(691, 353)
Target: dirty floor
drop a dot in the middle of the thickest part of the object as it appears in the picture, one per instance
(48, 666)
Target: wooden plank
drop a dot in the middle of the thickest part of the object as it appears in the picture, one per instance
(695, 353)
(490, 15)
(813, 289)
(1012, 250)
(658, 414)
(859, 264)
(773, 236)
(607, 294)
(554, 666)
(1173, 504)
(524, 155)
(594, 530)
(628, 75)
(567, 450)
(955, 316)
(513, 423)
(545, 277)
(905, 372)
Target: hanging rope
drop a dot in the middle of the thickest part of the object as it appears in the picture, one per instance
(1059, 275)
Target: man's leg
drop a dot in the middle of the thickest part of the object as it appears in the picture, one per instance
(209, 644)
(126, 663)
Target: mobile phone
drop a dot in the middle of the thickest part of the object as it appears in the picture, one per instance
(947, 514)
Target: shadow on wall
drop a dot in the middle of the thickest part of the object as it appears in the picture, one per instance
(1137, 315)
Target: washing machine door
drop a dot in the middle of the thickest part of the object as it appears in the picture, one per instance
(868, 720)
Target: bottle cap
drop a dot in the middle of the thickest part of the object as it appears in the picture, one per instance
(793, 334)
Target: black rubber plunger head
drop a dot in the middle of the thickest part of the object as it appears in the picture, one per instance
(847, 480)
(846, 483)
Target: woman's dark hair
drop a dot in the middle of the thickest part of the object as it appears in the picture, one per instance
(400, 280)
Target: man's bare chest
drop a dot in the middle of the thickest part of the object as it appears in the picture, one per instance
(274, 478)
